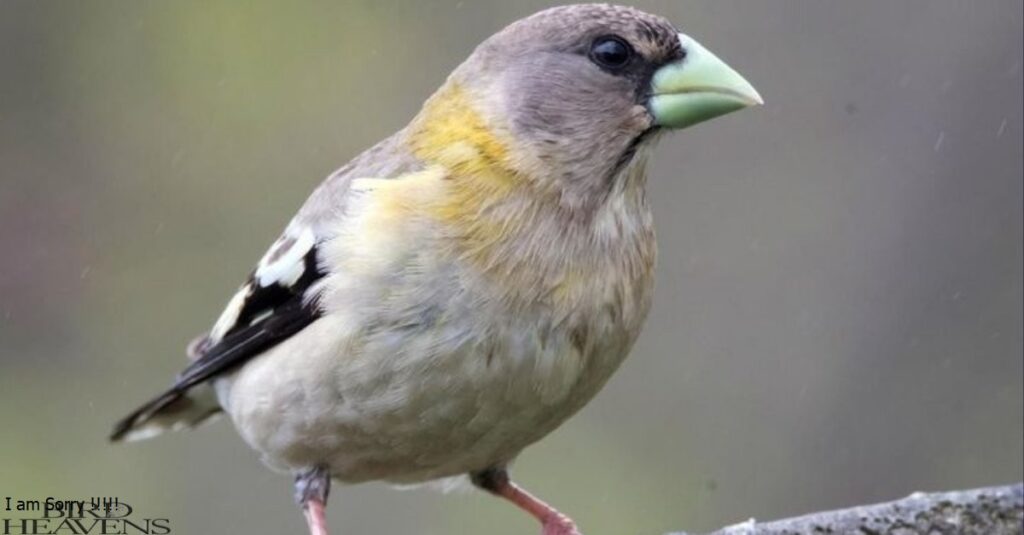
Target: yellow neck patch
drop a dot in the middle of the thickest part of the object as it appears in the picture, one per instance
(451, 133)
(473, 187)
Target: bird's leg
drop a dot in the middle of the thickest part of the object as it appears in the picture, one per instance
(496, 481)
(311, 490)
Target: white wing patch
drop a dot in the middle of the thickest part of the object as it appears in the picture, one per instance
(283, 265)
(229, 317)
(284, 262)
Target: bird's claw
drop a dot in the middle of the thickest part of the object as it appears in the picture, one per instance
(559, 525)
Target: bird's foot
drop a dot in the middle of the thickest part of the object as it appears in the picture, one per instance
(559, 524)
(496, 481)
(316, 518)
(311, 490)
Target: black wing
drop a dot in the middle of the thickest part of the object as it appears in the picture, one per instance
(274, 304)
(269, 314)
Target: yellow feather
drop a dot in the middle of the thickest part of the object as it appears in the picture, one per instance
(452, 133)
(478, 171)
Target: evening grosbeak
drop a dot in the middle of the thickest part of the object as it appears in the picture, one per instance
(456, 292)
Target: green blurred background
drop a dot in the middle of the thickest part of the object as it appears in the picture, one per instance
(839, 304)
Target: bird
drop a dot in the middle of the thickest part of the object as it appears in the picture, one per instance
(459, 290)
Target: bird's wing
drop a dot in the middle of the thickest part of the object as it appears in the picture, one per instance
(275, 302)
(278, 300)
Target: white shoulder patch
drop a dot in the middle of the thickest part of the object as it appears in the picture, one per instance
(284, 263)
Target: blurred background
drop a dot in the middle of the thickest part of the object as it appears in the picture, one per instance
(838, 317)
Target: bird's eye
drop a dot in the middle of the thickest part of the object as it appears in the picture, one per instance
(611, 52)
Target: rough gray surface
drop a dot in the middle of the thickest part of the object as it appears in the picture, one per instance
(992, 510)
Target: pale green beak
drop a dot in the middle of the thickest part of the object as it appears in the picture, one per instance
(697, 88)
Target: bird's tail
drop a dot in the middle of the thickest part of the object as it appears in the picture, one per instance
(171, 411)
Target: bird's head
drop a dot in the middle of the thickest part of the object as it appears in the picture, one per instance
(566, 99)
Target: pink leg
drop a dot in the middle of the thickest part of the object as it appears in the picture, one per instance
(496, 481)
(315, 517)
(311, 490)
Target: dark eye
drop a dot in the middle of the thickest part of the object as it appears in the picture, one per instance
(611, 52)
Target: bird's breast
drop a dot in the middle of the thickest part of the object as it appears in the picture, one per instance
(444, 347)
(496, 245)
